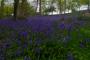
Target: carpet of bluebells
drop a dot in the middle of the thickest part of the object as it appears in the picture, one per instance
(45, 38)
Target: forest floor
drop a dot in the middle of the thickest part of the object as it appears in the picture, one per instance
(55, 37)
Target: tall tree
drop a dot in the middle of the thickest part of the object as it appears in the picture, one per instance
(88, 5)
(39, 6)
(85, 2)
(1, 8)
(24, 8)
(65, 6)
(61, 5)
(16, 3)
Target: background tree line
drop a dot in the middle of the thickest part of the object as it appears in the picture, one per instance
(22, 8)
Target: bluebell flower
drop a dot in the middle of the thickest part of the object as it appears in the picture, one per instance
(23, 34)
(27, 58)
(6, 45)
(30, 41)
(18, 52)
(74, 18)
(82, 44)
(19, 42)
(37, 50)
(38, 41)
(62, 26)
(70, 56)
(25, 45)
(66, 40)
(2, 58)
(2, 50)
(48, 33)
(80, 35)
(65, 17)
(81, 23)
(87, 40)
(1, 54)
(69, 27)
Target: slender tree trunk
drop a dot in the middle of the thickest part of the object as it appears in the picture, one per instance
(24, 9)
(60, 7)
(37, 6)
(71, 7)
(24, 1)
(2, 4)
(40, 7)
(88, 5)
(1, 8)
(78, 3)
(64, 6)
(16, 3)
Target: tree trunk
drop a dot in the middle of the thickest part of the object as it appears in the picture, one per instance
(16, 3)
(40, 7)
(24, 9)
(64, 6)
(89, 6)
(1, 9)
(37, 5)
(60, 7)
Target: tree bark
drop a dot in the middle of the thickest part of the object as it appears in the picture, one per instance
(89, 6)
(1, 8)
(64, 6)
(16, 3)
(40, 7)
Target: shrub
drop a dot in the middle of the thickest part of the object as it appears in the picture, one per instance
(25, 10)
(7, 11)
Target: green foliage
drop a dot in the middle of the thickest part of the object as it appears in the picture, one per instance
(7, 11)
(84, 16)
(84, 2)
(49, 9)
(26, 10)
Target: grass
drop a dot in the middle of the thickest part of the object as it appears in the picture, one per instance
(61, 44)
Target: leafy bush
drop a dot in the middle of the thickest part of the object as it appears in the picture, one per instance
(84, 17)
(25, 11)
(7, 11)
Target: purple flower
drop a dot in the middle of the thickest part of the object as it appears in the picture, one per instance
(70, 56)
(87, 40)
(25, 45)
(27, 58)
(18, 52)
(18, 41)
(68, 37)
(1, 53)
(2, 50)
(2, 58)
(66, 40)
(37, 50)
(80, 35)
(82, 44)
(23, 34)
(62, 26)
(6, 45)
(69, 27)
(81, 23)
(48, 33)
(38, 41)
(74, 18)
(30, 41)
